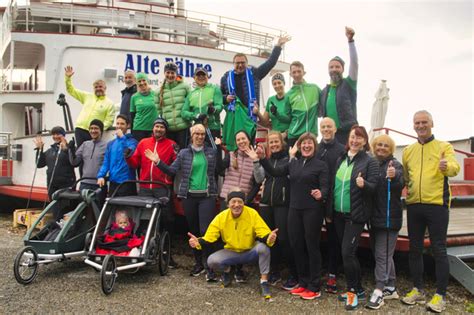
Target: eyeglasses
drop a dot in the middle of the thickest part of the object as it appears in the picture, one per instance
(199, 134)
(240, 63)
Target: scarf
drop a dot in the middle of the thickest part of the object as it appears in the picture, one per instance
(250, 88)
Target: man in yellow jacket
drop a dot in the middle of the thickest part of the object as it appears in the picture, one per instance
(95, 106)
(246, 239)
(427, 165)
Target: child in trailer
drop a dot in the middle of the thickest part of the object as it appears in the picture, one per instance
(119, 239)
(56, 227)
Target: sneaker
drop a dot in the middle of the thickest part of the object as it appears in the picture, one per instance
(265, 286)
(290, 284)
(211, 276)
(437, 303)
(390, 294)
(331, 286)
(226, 279)
(197, 270)
(239, 276)
(274, 278)
(310, 295)
(360, 295)
(352, 302)
(172, 264)
(375, 302)
(297, 291)
(413, 297)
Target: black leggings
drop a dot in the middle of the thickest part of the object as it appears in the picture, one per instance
(141, 134)
(181, 137)
(348, 233)
(304, 231)
(436, 218)
(277, 217)
(334, 249)
(199, 212)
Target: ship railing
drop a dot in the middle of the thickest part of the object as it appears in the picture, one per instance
(388, 130)
(147, 21)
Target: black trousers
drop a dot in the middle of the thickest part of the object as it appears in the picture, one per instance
(435, 218)
(281, 253)
(304, 230)
(81, 135)
(128, 189)
(334, 249)
(141, 134)
(348, 233)
(181, 137)
(342, 136)
(199, 212)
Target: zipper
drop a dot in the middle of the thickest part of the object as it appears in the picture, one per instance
(174, 105)
(342, 194)
(200, 101)
(93, 149)
(421, 171)
(284, 194)
(307, 108)
(151, 166)
(273, 184)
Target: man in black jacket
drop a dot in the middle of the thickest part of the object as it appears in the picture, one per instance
(338, 99)
(128, 91)
(329, 151)
(59, 172)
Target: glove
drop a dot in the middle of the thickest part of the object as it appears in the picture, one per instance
(72, 144)
(200, 118)
(127, 153)
(273, 109)
(211, 109)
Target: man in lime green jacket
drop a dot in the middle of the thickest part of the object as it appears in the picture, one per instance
(95, 106)
(303, 99)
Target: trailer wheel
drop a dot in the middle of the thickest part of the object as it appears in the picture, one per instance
(26, 265)
(108, 274)
(165, 253)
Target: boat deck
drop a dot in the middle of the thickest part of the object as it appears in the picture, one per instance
(460, 228)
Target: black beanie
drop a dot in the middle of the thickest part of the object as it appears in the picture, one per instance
(98, 123)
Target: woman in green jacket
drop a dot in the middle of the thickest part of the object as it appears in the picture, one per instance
(170, 101)
(143, 108)
(277, 113)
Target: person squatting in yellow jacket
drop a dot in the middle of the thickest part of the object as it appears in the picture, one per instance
(246, 238)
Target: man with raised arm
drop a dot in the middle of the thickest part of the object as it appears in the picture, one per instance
(241, 91)
(338, 99)
(95, 106)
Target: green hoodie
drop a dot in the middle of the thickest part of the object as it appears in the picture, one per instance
(197, 103)
(303, 99)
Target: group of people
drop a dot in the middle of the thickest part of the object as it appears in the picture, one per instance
(344, 181)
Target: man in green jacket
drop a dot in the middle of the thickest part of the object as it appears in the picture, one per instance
(95, 106)
(303, 99)
(204, 103)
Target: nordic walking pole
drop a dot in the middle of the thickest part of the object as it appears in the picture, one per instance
(387, 225)
(38, 154)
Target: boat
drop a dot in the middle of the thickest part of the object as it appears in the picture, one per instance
(102, 39)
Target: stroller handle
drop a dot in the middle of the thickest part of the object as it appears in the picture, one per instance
(141, 182)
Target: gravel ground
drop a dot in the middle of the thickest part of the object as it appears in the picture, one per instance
(73, 287)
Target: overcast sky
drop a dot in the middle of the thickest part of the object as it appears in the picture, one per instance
(422, 48)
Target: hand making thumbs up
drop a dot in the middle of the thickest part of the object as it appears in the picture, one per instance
(193, 240)
(272, 236)
(360, 180)
(443, 163)
(390, 170)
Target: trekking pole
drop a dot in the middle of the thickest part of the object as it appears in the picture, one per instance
(387, 224)
(34, 177)
(52, 174)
